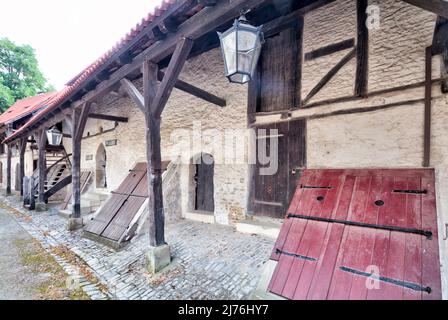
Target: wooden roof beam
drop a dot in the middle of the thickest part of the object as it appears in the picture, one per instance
(107, 117)
(439, 7)
(197, 92)
(200, 24)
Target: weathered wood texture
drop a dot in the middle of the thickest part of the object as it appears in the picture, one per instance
(107, 117)
(195, 91)
(204, 200)
(312, 254)
(84, 182)
(274, 191)
(22, 149)
(362, 49)
(428, 104)
(79, 119)
(278, 71)
(42, 164)
(115, 216)
(155, 98)
(444, 70)
(330, 49)
(8, 170)
(202, 23)
(330, 74)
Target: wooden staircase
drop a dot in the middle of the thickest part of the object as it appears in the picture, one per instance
(58, 171)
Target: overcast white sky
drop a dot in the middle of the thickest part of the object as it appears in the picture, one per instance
(68, 35)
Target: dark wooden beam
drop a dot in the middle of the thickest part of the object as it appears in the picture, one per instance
(22, 149)
(207, 20)
(299, 61)
(428, 104)
(154, 158)
(8, 170)
(42, 163)
(359, 110)
(177, 62)
(79, 119)
(444, 70)
(439, 7)
(275, 26)
(351, 98)
(330, 49)
(76, 167)
(133, 92)
(82, 120)
(253, 96)
(323, 82)
(107, 117)
(440, 38)
(362, 49)
(150, 72)
(195, 91)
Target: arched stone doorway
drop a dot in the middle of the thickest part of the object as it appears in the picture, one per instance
(101, 161)
(203, 168)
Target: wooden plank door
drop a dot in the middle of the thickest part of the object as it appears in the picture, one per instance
(204, 184)
(360, 234)
(273, 192)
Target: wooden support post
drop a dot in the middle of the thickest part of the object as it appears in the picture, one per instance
(76, 168)
(428, 98)
(155, 98)
(325, 79)
(8, 170)
(79, 120)
(444, 69)
(22, 149)
(362, 50)
(42, 164)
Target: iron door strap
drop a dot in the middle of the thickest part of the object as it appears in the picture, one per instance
(410, 191)
(426, 233)
(298, 256)
(406, 284)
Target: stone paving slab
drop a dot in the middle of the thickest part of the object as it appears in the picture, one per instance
(209, 261)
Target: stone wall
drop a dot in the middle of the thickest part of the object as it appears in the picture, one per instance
(387, 138)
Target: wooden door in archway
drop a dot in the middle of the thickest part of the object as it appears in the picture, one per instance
(204, 200)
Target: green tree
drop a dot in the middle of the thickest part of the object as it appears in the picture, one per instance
(20, 76)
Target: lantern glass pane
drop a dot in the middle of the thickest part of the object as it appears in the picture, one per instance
(246, 39)
(229, 49)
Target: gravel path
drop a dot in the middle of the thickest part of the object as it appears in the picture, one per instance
(16, 280)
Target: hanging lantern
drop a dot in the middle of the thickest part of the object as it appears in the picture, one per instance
(241, 48)
(54, 136)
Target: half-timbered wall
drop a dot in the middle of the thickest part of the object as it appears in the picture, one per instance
(391, 137)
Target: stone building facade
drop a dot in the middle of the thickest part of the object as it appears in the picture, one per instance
(388, 138)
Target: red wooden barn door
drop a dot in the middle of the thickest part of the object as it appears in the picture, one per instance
(360, 234)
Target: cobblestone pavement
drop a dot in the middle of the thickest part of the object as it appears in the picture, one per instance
(209, 261)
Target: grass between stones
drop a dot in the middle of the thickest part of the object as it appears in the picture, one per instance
(65, 253)
(54, 284)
